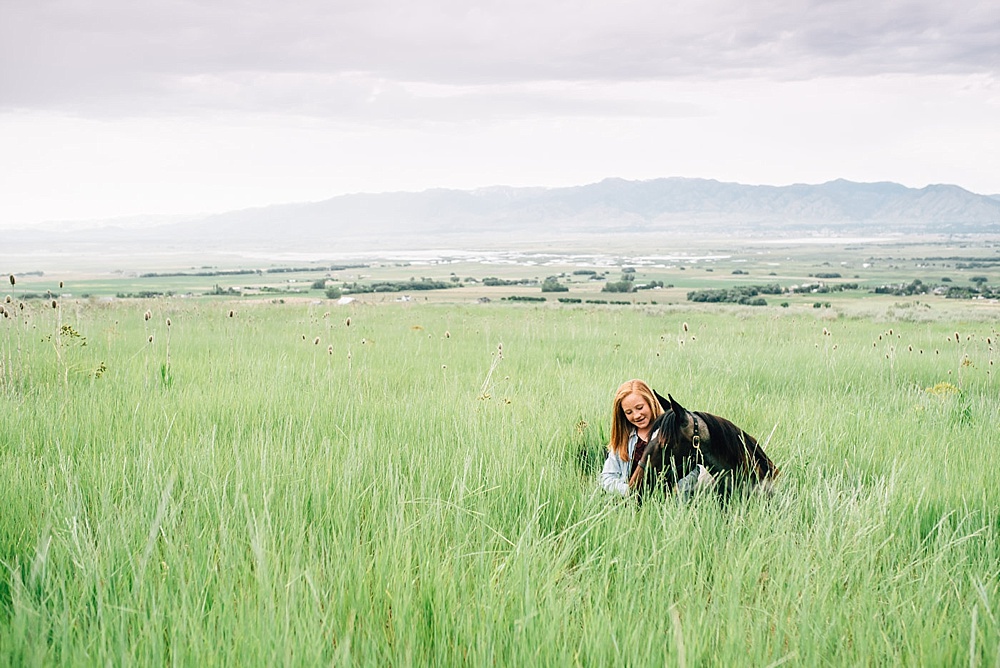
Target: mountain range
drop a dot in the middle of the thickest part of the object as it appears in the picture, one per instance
(499, 216)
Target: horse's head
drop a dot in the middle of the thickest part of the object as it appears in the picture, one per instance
(673, 438)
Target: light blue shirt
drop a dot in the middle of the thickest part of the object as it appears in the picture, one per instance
(615, 474)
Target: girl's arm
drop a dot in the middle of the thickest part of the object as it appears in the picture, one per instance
(614, 475)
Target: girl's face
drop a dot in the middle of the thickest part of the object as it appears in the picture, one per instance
(637, 411)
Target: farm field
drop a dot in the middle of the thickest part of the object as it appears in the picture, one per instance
(220, 481)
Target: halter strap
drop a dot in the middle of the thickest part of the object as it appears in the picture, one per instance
(696, 439)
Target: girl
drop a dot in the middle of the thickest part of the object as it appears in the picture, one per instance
(634, 409)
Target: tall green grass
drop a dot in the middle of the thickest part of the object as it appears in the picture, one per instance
(418, 488)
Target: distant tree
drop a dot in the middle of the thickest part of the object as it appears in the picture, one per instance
(618, 286)
(319, 285)
(333, 292)
(552, 284)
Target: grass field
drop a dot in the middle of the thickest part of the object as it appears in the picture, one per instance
(262, 483)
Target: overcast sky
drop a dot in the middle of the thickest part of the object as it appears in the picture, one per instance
(124, 107)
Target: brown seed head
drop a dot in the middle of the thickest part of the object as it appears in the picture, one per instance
(147, 315)
(60, 285)
(168, 322)
(348, 322)
(150, 340)
(54, 303)
(447, 334)
(685, 325)
(12, 281)
(231, 313)
(316, 341)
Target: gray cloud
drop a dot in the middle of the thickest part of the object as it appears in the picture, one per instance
(355, 58)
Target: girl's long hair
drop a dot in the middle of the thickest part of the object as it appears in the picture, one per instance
(620, 426)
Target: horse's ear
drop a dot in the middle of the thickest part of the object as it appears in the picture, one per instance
(676, 407)
(664, 403)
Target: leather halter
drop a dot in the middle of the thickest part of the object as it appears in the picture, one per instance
(696, 439)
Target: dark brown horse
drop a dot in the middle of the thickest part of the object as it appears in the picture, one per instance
(681, 440)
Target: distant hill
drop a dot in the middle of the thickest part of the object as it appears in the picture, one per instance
(614, 207)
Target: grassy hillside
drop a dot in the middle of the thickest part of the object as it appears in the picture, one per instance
(255, 482)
